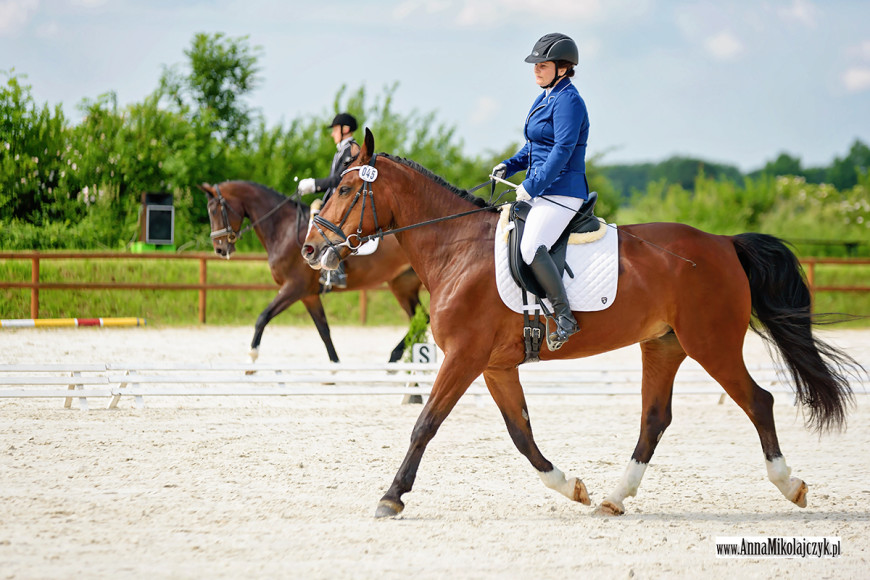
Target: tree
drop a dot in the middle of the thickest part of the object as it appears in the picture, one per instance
(785, 164)
(34, 157)
(843, 173)
(222, 72)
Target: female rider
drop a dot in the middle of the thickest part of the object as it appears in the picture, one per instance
(554, 158)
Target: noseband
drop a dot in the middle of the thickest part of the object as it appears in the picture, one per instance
(234, 236)
(368, 174)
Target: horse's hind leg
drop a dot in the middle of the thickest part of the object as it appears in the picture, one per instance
(758, 406)
(661, 359)
(727, 367)
(318, 315)
(504, 385)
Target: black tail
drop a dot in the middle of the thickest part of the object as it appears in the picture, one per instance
(781, 303)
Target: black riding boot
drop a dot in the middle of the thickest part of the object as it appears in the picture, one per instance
(339, 276)
(333, 278)
(551, 282)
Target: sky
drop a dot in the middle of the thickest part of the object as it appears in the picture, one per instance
(734, 82)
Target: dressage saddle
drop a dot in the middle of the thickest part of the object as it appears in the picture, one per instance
(584, 222)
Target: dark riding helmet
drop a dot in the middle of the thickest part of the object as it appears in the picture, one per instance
(343, 119)
(553, 47)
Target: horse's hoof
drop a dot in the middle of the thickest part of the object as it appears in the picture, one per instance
(799, 496)
(389, 509)
(580, 493)
(254, 354)
(609, 508)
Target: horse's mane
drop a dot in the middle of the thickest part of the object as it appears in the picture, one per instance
(463, 193)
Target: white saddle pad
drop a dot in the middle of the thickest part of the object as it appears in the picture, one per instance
(595, 266)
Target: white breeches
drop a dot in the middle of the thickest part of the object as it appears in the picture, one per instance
(546, 222)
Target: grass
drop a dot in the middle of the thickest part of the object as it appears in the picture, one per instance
(177, 307)
(230, 307)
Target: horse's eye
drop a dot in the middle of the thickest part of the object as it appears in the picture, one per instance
(343, 190)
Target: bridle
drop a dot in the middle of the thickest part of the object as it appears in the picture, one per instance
(369, 174)
(233, 236)
(228, 231)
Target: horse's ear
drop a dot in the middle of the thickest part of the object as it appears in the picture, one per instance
(368, 147)
(208, 189)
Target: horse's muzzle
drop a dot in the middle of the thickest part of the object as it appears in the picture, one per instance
(311, 254)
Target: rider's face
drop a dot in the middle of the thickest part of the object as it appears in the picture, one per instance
(336, 134)
(545, 72)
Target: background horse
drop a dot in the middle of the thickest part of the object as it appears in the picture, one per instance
(681, 292)
(280, 223)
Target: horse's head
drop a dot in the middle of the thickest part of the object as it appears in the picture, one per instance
(225, 215)
(350, 213)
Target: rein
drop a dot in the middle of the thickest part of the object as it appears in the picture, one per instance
(368, 173)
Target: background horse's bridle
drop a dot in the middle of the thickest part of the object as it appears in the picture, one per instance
(234, 236)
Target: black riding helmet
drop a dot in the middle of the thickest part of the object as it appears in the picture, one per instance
(343, 119)
(555, 46)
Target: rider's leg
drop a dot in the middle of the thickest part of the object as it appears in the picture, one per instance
(545, 223)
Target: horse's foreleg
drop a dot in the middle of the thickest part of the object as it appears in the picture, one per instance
(452, 381)
(315, 309)
(661, 359)
(288, 294)
(507, 392)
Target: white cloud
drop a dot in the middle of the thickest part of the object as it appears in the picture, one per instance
(487, 13)
(724, 46)
(801, 11)
(857, 79)
(861, 50)
(16, 13)
(485, 110)
(409, 7)
(47, 30)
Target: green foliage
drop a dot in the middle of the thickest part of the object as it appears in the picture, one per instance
(682, 171)
(33, 157)
(80, 187)
(222, 72)
(417, 331)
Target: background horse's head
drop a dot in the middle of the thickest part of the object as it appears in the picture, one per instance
(350, 213)
(225, 215)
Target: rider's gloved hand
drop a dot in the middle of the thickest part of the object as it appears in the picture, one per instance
(522, 194)
(306, 186)
(499, 170)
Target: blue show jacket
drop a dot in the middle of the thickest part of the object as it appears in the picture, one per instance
(554, 156)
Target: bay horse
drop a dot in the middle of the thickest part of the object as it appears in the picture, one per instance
(280, 223)
(698, 306)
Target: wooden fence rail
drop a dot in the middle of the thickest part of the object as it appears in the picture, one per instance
(203, 286)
